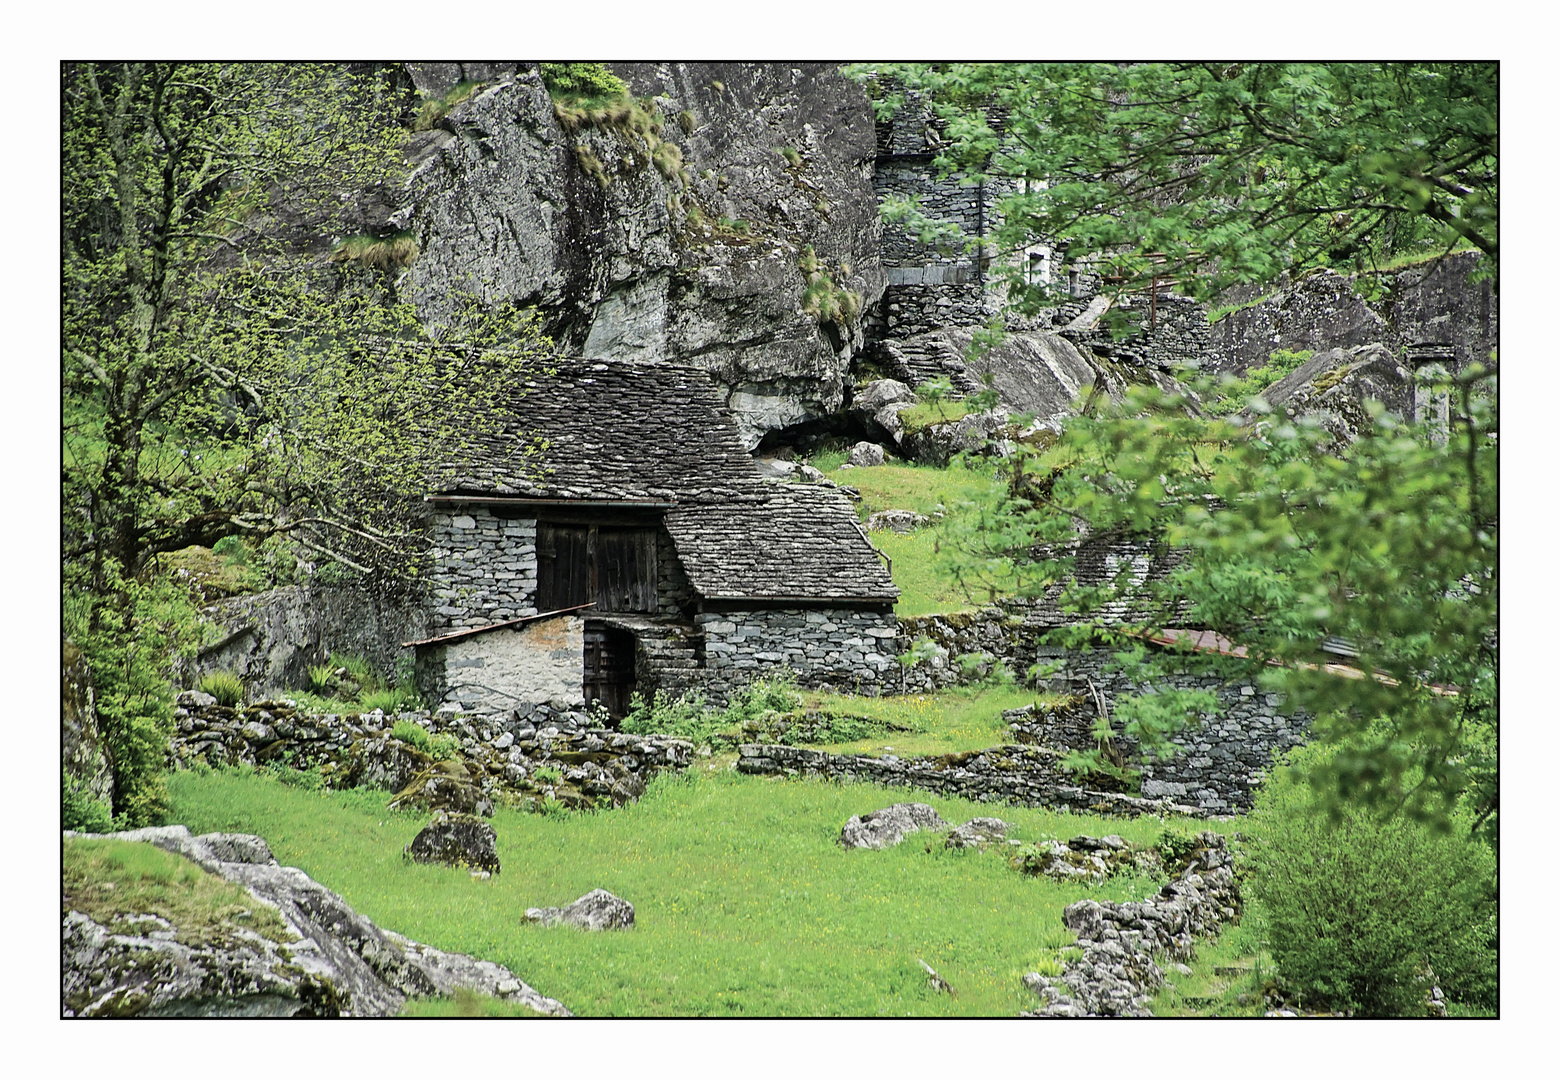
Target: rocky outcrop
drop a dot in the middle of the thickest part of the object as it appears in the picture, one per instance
(887, 827)
(340, 964)
(1116, 973)
(459, 840)
(84, 753)
(271, 639)
(697, 257)
(980, 832)
(1333, 388)
(596, 910)
(1445, 301)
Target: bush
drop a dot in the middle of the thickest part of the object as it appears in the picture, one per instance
(1358, 909)
(413, 734)
(79, 810)
(226, 687)
(582, 81)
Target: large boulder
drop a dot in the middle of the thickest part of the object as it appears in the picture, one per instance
(337, 963)
(889, 826)
(702, 258)
(460, 840)
(1333, 387)
(978, 832)
(596, 910)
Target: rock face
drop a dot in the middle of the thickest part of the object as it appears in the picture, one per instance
(270, 639)
(1116, 973)
(1334, 386)
(596, 910)
(456, 840)
(887, 827)
(699, 261)
(84, 753)
(1444, 301)
(341, 964)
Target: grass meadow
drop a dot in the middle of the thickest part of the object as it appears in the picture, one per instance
(745, 904)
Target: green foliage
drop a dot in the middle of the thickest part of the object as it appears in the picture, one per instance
(320, 676)
(792, 158)
(391, 700)
(226, 687)
(79, 810)
(745, 903)
(1213, 173)
(582, 81)
(358, 670)
(1358, 905)
(1389, 544)
(1236, 394)
(397, 250)
(548, 774)
(438, 747)
(436, 106)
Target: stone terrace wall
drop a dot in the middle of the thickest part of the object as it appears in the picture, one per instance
(843, 648)
(1020, 775)
(1218, 763)
(485, 568)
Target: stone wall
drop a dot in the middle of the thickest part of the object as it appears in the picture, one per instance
(484, 568)
(497, 758)
(1218, 762)
(510, 668)
(842, 648)
(1019, 775)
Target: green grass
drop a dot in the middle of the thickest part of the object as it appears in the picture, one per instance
(924, 489)
(109, 880)
(1227, 979)
(745, 904)
(947, 722)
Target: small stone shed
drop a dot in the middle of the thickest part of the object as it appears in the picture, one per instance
(641, 551)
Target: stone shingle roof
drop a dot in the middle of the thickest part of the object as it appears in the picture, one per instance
(779, 540)
(659, 432)
(615, 430)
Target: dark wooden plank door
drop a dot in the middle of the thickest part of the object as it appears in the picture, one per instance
(609, 668)
(577, 564)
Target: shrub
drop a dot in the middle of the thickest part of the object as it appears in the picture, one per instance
(320, 676)
(226, 687)
(413, 734)
(1358, 909)
(684, 718)
(358, 670)
(81, 812)
(578, 81)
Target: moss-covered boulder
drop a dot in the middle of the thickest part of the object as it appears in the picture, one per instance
(460, 840)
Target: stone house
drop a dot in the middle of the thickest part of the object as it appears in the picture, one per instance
(642, 550)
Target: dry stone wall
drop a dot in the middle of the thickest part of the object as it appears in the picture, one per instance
(846, 649)
(1219, 762)
(1020, 775)
(485, 568)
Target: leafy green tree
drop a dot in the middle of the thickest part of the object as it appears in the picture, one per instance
(1214, 173)
(224, 373)
(1285, 542)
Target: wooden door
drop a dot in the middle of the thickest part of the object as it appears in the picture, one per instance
(578, 564)
(609, 668)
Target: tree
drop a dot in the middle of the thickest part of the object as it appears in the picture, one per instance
(1214, 173)
(1389, 545)
(227, 370)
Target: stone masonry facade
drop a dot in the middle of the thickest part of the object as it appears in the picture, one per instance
(849, 650)
(485, 569)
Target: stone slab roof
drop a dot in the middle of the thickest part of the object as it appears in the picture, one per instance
(660, 432)
(615, 430)
(779, 540)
